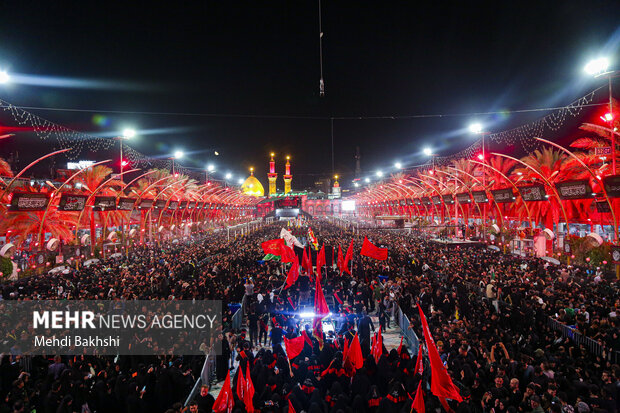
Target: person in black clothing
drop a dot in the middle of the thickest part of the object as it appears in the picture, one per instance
(363, 329)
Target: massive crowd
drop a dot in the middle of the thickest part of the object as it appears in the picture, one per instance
(488, 312)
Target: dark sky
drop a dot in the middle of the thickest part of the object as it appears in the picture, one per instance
(262, 59)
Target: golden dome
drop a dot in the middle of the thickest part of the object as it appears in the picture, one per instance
(253, 187)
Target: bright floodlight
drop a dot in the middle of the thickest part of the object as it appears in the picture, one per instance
(398, 165)
(211, 167)
(178, 154)
(129, 133)
(4, 77)
(228, 175)
(356, 184)
(475, 128)
(427, 151)
(240, 181)
(597, 66)
(379, 173)
(367, 180)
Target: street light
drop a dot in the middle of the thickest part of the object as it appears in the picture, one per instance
(598, 68)
(367, 180)
(240, 181)
(477, 129)
(379, 174)
(427, 151)
(228, 175)
(177, 155)
(398, 165)
(4, 77)
(127, 133)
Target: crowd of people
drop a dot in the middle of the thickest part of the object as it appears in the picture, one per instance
(488, 312)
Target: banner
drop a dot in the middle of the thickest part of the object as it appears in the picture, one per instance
(463, 198)
(612, 186)
(448, 199)
(69, 202)
(290, 239)
(126, 204)
(183, 205)
(417, 201)
(191, 205)
(574, 189)
(425, 200)
(503, 195)
(533, 193)
(480, 197)
(436, 199)
(160, 203)
(146, 204)
(602, 206)
(104, 203)
(173, 205)
(615, 254)
(312, 239)
(409, 202)
(28, 202)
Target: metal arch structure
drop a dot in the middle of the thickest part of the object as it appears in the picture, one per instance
(40, 232)
(555, 192)
(466, 188)
(486, 191)
(527, 208)
(613, 214)
(422, 192)
(12, 181)
(406, 194)
(432, 188)
(149, 213)
(453, 192)
(92, 194)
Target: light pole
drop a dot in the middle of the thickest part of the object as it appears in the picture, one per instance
(4, 77)
(127, 134)
(598, 68)
(177, 155)
(209, 169)
(477, 129)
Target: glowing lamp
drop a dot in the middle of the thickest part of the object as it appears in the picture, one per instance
(597, 66)
(124, 163)
(475, 128)
(605, 262)
(480, 157)
(398, 165)
(178, 154)
(588, 259)
(608, 117)
(427, 151)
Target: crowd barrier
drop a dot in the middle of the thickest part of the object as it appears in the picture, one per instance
(410, 336)
(206, 375)
(595, 347)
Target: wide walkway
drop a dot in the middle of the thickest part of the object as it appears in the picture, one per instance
(391, 340)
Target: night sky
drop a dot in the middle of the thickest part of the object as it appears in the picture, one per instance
(215, 61)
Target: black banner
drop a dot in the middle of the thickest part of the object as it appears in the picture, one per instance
(417, 201)
(183, 205)
(480, 197)
(612, 186)
(463, 198)
(104, 203)
(448, 199)
(615, 254)
(574, 189)
(503, 195)
(146, 204)
(602, 207)
(533, 193)
(28, 202)
(425, 200)
(436, 199)
(191, 205)
(409, 202)
(160, 203)
(173, 205)
(69, 202)
(126, 204)
(403, 202)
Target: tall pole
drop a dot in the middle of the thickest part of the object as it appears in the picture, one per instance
(611, 126)
(172, 166)
(484, 184)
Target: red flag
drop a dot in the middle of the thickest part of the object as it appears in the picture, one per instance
(292, 275)
(306, 338)
(338, 298)
(290, 301)
(288, 254)
(240, 383)
(400, 346)
(348, 258)
(345, 351)
(320, 261)
(441, 383)
(419, 363)
(273, 246)
(445, 405)
(248, 394)
(418, 402)
(340, 260)
(291, 409)
(377, 346)
(321, 310)
(224, 401)
(369, 250)
(354, 354)
(333, 251)
(306, 262)
(294, 346)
